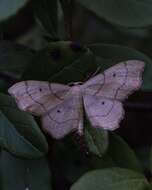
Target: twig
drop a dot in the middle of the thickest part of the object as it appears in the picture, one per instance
(9, 79)
(68, 8)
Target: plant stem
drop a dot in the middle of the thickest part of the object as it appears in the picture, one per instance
(68, 8)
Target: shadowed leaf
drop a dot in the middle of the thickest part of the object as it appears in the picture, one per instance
(127, 13)
(112, 179)
(17, 174)
(19, 133)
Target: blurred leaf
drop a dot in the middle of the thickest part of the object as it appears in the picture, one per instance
(9, 8)
(17, 174)
(46, 12)
(143, 154)
(126, 13)
(67, 61)
(14, 58)
(108, 55)
(132, 33)
(78, 70)
(121, 154)
(102, 31)
(118, 154)
(112, 179)
(96, 139)
(68, 10)
(19, 133)
(61, 62)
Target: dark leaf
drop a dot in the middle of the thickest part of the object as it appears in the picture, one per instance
(96, 139)
(126, 13)
(9, 8)
(14, 59)
(19, 133)
(46, 12)
(112, 179)
(61, 62)
(17, 174)
(121, 154)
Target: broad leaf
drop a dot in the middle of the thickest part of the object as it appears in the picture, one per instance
(9, 8)
(17, 174)
(144, 155)
(19, 133)
(46, 12)
(96, 139)
(61, 62)
(112, 179)
(127, 13)
(121, 154)
(14, 59)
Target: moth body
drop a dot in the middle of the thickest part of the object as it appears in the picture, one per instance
(62, 107)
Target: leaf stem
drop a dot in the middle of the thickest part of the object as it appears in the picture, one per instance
(68, 8)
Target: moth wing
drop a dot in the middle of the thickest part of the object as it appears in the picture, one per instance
(117, 82)
(38, 96)
(102, 112)
(64, 118)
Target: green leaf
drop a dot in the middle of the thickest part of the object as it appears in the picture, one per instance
(9, 8)
(17, 174)
(144, 153)
(127, 13)
(61, 62)
(96, 139)
(67, 10)
(14, 59)
(19, 133)
(112, 179)
(78, 70)
(121, 154)
(46, 12)
(108, 55)
(118, 154)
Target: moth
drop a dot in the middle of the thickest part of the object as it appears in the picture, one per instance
(61, 107)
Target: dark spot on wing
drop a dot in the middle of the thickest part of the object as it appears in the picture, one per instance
(103, 103)
(114, 75)
(40, 89)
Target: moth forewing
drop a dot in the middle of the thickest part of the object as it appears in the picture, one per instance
(61, 106)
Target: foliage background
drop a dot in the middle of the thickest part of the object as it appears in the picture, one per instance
(37, 42)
